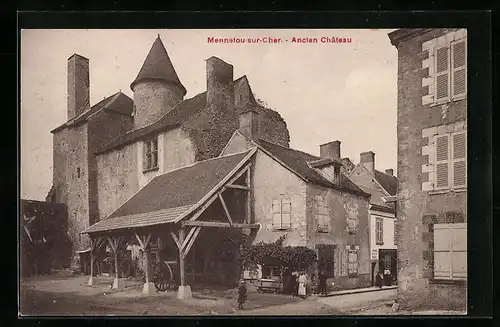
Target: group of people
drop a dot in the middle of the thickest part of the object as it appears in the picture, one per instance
(383, 278)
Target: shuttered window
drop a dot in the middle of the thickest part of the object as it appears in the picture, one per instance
(341, 261)
(442, 78)
(450, 251)
(379, 231)
(459, 149)
(352, 262)
(451, 160)
(442, 161)
(459, 68)
(282, 213)
(321, 213)
(150, 154)
(450, 76)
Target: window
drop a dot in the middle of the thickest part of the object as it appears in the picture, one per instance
(78, 172)
(321, 213)
(353, 263)
(379, 231)
(450, 78)
(326, 259)
(450, 251)
(150, 155)
(451, 160)
(352, 225)
(282, 210)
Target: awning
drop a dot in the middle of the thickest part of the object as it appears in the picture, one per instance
(170, 197)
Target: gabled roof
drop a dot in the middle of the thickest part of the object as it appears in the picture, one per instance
(376, 201)
(297, 161)
(118, 103)
(388, 182)
(171, 196)
(171, 119)
(158, 66)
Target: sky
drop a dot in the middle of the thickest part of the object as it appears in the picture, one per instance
(324, 91)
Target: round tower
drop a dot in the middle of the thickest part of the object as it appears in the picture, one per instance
(157, 88)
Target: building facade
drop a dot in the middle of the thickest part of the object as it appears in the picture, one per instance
(381, 185)
(432, 167)
(106, 152)
(308, 199)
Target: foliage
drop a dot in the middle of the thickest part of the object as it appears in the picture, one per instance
(275, 254)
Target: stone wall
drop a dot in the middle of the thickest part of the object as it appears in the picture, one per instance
(71, 183)
(415, 288)
(270, 180)
(117, 179)
(153, 99)
(340, 205)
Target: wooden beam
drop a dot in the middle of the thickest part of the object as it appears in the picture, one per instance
(225, 209)
(248, 215)
(176, 240)
(203, 208)
(218, 224)
(181, 258)
(186, 249)
(232, 180)
(188, 237)
(239, 187)
(143, 240)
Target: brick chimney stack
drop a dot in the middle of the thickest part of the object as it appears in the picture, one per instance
(368, 160)
(78, 85)
(330, 150)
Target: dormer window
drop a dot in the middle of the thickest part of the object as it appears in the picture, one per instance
(328, 168)
(150, 155)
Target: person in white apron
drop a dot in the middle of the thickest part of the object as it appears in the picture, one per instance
(302, 285)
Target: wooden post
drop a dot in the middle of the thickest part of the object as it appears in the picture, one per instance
(149, 287)
(181, 257)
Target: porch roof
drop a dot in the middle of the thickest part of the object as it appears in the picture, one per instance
(172, 196)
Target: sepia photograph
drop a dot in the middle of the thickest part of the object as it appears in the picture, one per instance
(243, 172)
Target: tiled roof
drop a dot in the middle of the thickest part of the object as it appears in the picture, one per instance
(118, 103)
(376, 199)
(169, 195)
(138, 220)
(297, 161)
(173, 118)
(388, 182)
(158, 66)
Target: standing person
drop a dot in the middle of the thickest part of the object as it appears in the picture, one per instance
(322, 284)
(295, 283)
(302, 285)
(387, 277)
(242, 294)
(379, 280)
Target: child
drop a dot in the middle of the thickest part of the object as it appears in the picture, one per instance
(242, 294)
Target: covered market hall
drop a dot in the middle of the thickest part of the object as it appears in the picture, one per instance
(187, 218)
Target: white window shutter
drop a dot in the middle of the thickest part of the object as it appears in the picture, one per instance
(442, 162)
(459, 251)
(442, 254)
(442, 76)
(286, 216)
(276, 213)
(459, 148)
(459, 68)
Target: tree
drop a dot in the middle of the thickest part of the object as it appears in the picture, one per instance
(275, 254)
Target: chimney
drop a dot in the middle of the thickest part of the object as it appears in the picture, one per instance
(368, 160)
(249, 122)
(78, 85)
(389, 172)
(219, 82)
(330, 150)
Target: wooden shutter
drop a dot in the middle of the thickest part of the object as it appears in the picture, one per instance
(442, 77)
(144, 155)
(379, 227)
(459, 148)
(442, 161)
(450, 251)
(459, 68)
(459, 251)
(353, 262)
(286, 214)
(276, 213)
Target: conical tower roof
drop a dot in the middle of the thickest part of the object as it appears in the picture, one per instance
(158, 66)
